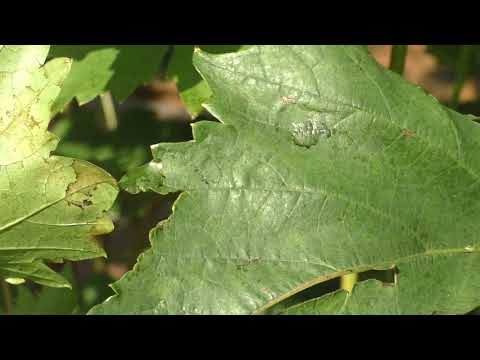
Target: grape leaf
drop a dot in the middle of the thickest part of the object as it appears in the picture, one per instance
(48, 301)
(52, 206)
(193, 90)
(324, 163)
(100, 68)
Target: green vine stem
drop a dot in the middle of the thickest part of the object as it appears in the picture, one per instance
(398, 57)
(7, 296)
(109, 113)
(166, 62)
(462, 69)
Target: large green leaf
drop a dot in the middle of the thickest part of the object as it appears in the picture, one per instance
(100, 68)
(51, 206)
(324, 163)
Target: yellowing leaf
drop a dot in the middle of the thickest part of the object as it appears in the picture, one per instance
(50, 206)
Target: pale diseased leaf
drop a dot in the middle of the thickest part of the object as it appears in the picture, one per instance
(51, 206)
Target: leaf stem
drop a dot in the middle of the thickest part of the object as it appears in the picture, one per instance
(109, 113)
(347, 282)
(462, 68)
(166, 61)
(398, 57)
(7, 296)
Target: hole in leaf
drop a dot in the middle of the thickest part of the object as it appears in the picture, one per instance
(387, 277)
(313, 292)
(474, 312)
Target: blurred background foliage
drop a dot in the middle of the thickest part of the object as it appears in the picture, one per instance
(159, 105)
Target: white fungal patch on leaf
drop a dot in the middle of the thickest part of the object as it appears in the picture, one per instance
(308, 133)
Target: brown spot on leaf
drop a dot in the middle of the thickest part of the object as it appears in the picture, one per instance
(87, 202)
(74, 203)
(408, 133)
(287, 100)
